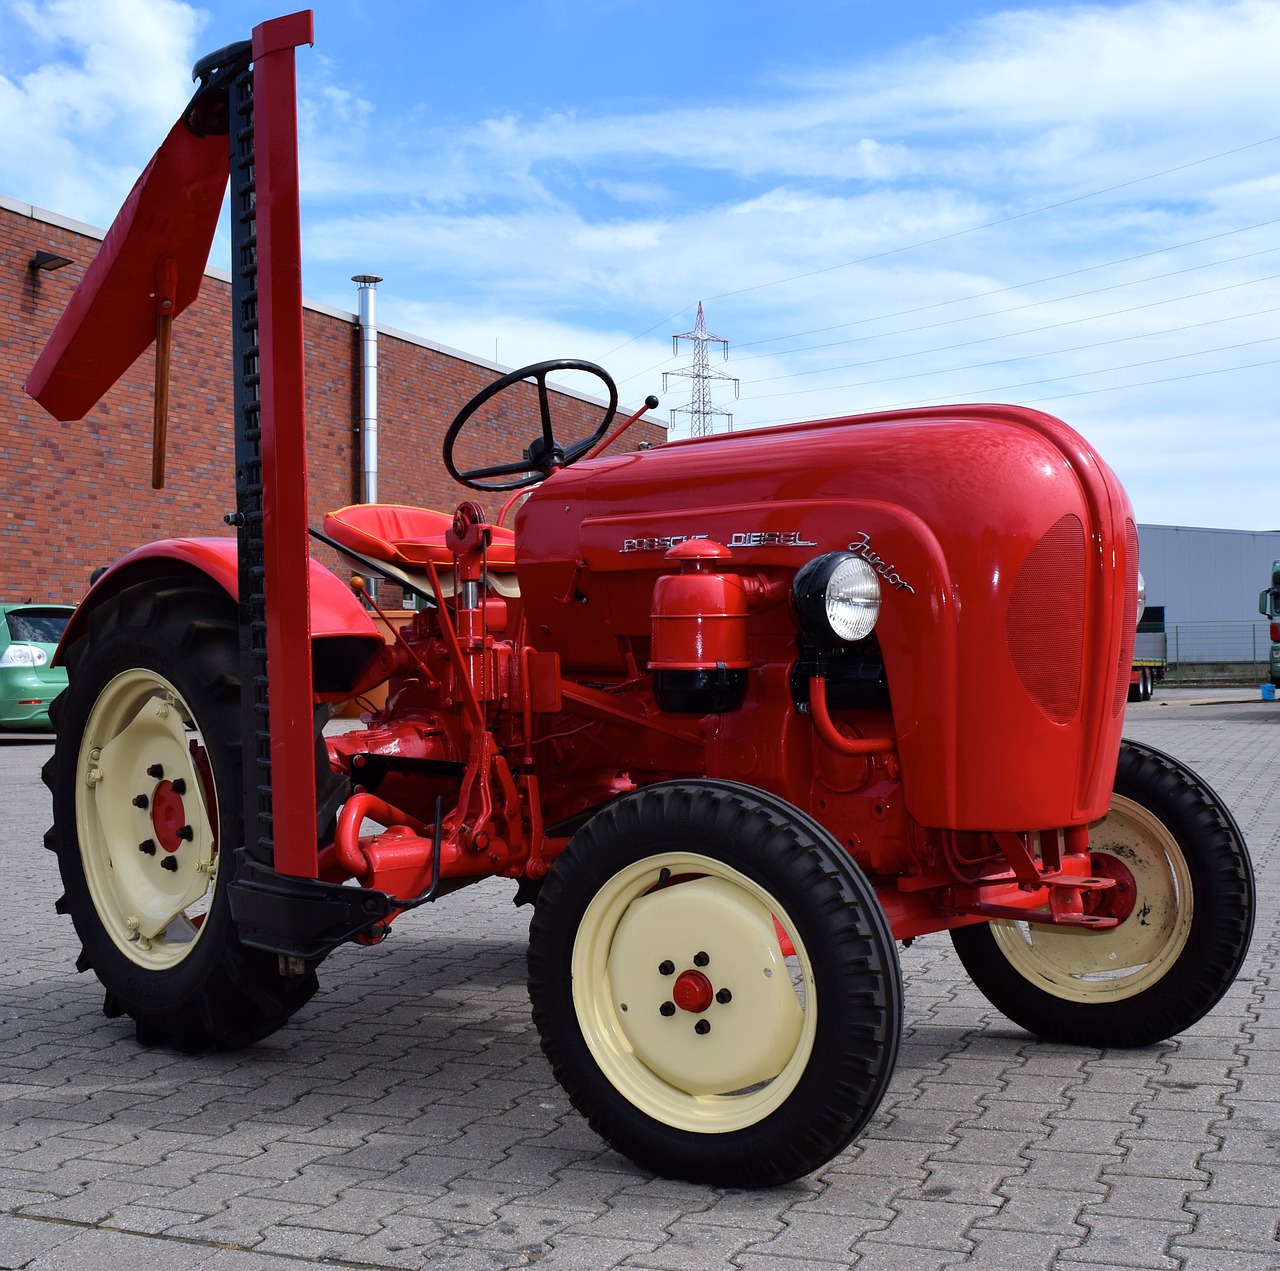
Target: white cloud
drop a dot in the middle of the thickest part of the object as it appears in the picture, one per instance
(568, 232)
(74, 125)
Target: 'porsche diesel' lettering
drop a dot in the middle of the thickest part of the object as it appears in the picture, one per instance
(770, 538)
(752, 538)
(663, 544)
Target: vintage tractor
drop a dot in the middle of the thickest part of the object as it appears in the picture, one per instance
(736, 714)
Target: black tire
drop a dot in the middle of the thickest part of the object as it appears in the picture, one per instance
(155, 680)
(782, 1085)
(1142, 690)
(1179, 950)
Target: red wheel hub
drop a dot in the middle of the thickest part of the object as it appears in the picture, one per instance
(1115, 902)
(168, 816)
(692, 992)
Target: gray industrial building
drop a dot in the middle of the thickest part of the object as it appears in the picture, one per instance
(1203, 585)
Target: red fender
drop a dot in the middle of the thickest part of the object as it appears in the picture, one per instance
(344, 639)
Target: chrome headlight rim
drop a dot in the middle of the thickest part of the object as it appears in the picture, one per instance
(837, 597)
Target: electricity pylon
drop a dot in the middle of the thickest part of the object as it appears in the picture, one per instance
(702, 411)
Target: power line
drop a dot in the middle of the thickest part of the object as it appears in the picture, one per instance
(1107, 370)
(972, 229)
(1003, 220)
(1084, 392)
(1171, 379)
(1115, 388)
(1028, 357)
(1006, 335)
(996, 291)
(995, 313)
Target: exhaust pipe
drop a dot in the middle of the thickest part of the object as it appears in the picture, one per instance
(368, 290)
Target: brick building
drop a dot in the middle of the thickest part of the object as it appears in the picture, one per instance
(74, 496)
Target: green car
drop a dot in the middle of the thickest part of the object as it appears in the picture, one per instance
(29, 634)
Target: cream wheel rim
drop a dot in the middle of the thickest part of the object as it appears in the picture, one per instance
(685, 997)
(144, 820)
(1120, 962)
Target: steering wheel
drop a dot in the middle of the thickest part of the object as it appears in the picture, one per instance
(544, 454)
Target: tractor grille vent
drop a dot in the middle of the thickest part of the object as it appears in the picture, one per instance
(1129, 632)
(1045, 620)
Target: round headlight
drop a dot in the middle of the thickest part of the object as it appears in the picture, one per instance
(837, 597)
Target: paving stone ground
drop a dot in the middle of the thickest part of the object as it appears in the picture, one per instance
(406, 1117)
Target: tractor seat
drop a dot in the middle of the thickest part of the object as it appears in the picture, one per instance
(409, 537)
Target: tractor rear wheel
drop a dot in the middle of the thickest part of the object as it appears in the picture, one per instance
(148, 814)
(715, 984)
(1182, 861)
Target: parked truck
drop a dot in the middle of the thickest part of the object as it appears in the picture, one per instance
(736, 714)
(1269, 607)
(1150, 652)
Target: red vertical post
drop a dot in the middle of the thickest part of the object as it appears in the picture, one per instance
(284, 449)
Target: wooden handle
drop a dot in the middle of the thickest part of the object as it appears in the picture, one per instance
(160, 420)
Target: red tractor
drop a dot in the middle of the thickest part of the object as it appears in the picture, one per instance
(736, 714)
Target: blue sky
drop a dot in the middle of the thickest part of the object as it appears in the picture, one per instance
(1068, 205)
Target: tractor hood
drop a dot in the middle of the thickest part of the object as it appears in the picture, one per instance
(1007, 558)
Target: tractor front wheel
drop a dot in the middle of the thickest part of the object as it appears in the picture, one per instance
(1187, 892)
(715, 984)
(148, 813)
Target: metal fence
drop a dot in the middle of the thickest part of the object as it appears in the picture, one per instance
(1217, 652)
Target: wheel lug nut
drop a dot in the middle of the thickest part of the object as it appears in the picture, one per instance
(667, 1008)
(147, 847)
(171, 864)
(156, 770)
(724, 997)
(186, 833)
(701, 959)
(179, 786)
(702, 1027)
(140, 801)
(666, 968)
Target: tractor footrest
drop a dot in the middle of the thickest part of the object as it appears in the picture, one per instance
(1074, 882)
(1043, 917)
(299, 917)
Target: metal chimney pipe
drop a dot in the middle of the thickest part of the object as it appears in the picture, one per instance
(368, 290)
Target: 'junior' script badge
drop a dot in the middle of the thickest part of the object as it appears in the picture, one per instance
(862, 546)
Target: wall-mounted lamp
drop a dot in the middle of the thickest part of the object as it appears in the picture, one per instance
(49, 261)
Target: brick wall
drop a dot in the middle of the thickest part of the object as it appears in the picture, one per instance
(74, 496)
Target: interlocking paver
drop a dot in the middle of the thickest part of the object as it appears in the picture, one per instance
(816, 1236)
(1139, 1196)
(692, 1245)
(934, 1224)
(961, 1182)
(763, 1262)
(1005, 1250)
(1226, 1260)
(22, 1241)
(406, 1118)
(574, 1252)
(1033, 1209)
(1127, 1242)
(1250, 1224)
(1164, 1158)
(91, 1247)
